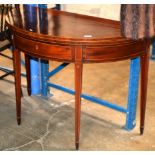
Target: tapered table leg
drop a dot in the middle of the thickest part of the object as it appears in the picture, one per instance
(27, 66)
(17, 69)
(78, 89)
(144, 81)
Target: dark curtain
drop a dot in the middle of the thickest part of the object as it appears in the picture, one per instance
(138, 20)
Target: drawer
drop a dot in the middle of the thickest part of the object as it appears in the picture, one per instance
(43, 50)
(113, 53)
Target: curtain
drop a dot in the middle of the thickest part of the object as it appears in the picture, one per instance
(137, 21)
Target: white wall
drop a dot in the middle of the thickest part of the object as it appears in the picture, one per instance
(110, 11)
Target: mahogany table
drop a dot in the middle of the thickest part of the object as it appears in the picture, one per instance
(73, 38)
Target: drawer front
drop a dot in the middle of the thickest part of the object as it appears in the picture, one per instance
(43, 50)
(103, 53)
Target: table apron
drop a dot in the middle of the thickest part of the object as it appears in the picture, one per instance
(90, 54)
(113, 53)
(44, 50)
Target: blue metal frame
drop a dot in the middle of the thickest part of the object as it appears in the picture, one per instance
(45, 66)
(132, 93)
(57, 69)
(45, 75)
(58, 6)
(42, 6)
(153, 50)
(89, 98)
(44, 78)
(6, 69)
(34, 62)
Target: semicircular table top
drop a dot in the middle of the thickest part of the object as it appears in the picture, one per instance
(52, 25)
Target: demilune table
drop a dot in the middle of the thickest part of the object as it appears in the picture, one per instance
(73, 38)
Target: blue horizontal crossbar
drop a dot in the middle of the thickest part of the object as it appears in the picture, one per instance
(5, 69)
(70, 91)
(57, 69)
(90, 98)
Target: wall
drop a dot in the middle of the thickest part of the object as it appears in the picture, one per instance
(110, 11)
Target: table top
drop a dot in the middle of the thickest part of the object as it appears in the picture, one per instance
(51, 25)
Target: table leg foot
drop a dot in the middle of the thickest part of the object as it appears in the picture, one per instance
(141, 130)
(21, 93)
(29, 92)
(77, 145)
(18, 121)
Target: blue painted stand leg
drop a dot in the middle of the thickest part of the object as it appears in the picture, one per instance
(44, 78)
(35, 76)
(153, 50)
(132, 94)
(58, 6)
(42, 6)
(45, 64)
(34, 63)
(45, 75)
